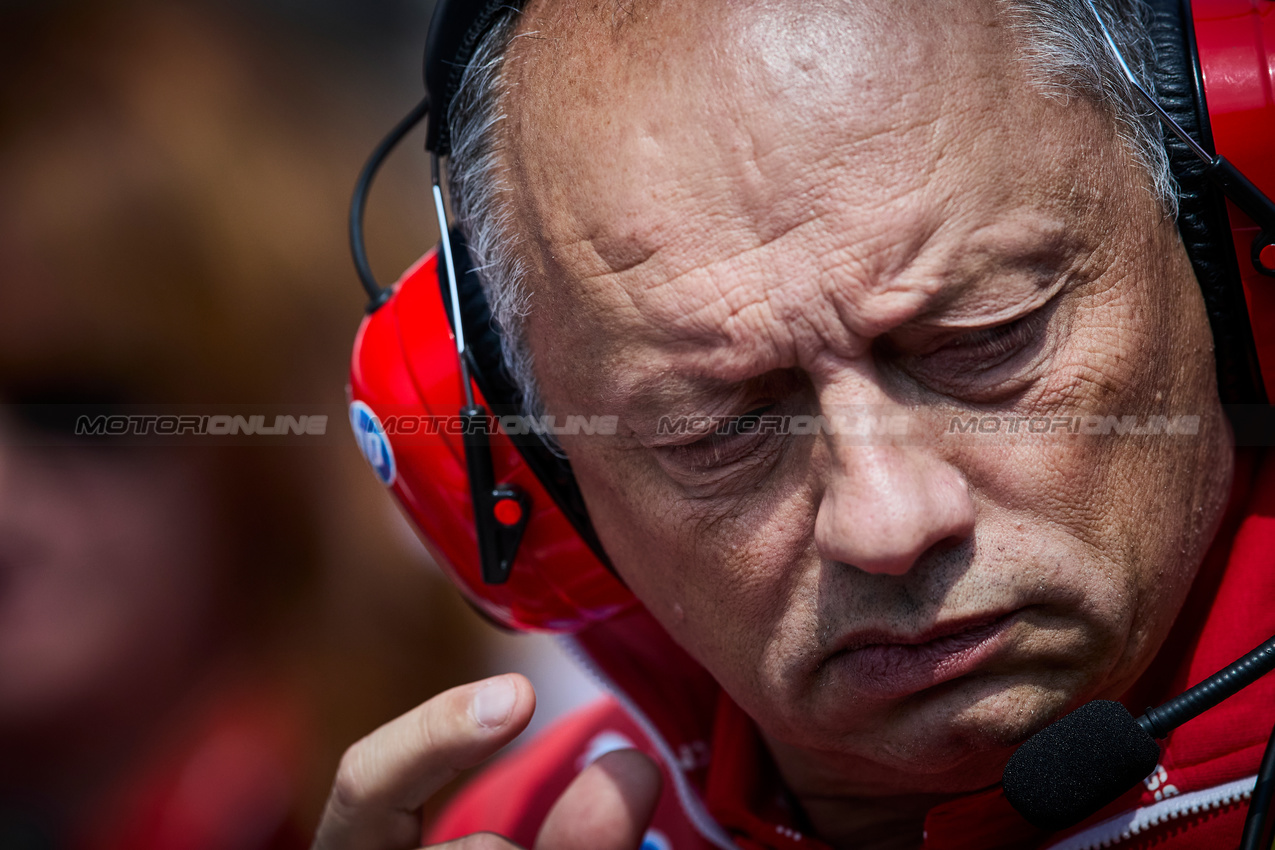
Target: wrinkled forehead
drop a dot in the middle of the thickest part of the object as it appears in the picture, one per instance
(610, 98)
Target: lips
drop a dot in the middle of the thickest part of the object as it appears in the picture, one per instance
(888, 667)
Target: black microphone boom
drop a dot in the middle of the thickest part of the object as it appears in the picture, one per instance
(1195, 701)
(1088, 758)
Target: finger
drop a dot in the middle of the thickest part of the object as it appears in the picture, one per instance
(608, 807)
(385, 778)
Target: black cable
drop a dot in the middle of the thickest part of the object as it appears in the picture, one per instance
(1164, 719)
(358, 203)
(1256, 834)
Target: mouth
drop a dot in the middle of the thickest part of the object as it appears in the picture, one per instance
(882, 666)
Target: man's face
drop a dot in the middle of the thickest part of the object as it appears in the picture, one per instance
(866, 211)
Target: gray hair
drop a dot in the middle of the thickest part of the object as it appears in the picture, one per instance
(1061, 45)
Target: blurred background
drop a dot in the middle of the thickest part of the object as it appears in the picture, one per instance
(191, 635)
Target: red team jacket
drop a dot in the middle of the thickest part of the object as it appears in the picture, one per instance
(721, 791)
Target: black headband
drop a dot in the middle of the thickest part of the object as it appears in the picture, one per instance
(454, 33)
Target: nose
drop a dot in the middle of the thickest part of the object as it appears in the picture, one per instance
(885, 505)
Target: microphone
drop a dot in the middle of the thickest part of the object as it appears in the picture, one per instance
(1080, 763)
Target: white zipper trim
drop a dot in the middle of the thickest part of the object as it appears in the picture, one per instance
(691, 803)
(1125, 826)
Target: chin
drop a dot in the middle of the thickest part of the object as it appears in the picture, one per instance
(958, 738)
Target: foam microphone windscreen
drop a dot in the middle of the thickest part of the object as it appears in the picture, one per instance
(1078, 764)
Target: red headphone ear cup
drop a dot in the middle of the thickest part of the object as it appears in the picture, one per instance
(1238, 73)
(1203, 220)
(405, 371)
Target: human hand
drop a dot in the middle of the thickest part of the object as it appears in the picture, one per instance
(385, 778)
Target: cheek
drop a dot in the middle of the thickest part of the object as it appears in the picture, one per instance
(1142, 507)
(721, 582)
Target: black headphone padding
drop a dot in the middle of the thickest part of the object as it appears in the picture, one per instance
(487, 364)
(455, 31)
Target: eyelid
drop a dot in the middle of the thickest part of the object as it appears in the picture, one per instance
(708, 427)
(937, 329)
(990, 364)
(965, 337)
(995, 335)
(701, 457)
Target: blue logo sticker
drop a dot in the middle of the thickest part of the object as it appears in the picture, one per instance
(372, 441)
(655, 840)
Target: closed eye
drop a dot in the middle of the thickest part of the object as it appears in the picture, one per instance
(990, 346)
(734, 438)
(989, 364)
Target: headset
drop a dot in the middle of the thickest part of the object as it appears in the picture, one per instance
(501, 513)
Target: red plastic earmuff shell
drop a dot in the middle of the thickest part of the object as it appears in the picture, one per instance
(404, 366)
(1239, 88)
